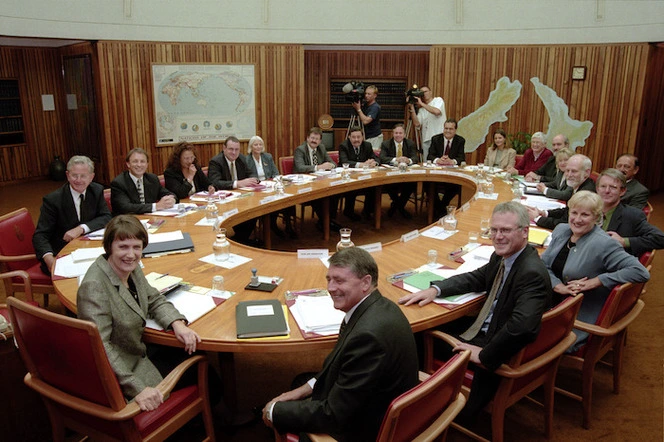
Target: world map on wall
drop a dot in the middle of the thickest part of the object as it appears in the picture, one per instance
(203, 103)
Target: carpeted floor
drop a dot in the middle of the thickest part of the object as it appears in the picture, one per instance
(636, 414)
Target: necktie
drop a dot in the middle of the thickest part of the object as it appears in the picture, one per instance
(314, 158)
(447, 148)
(486, 308)
(399, 150)
(342, 329)
(141, 193)
(357, 151)
(83, 215)
(233, 171)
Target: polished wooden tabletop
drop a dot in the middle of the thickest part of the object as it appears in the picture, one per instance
(217, 328)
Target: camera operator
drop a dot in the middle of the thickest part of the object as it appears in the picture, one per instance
(430, 116)
(369, 115)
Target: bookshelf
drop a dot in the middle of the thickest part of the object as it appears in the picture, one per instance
(11, 116)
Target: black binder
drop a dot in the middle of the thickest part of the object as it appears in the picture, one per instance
(259, 326)
(168, 247)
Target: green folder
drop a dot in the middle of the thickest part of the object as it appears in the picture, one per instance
(422, 280)
(257, 319)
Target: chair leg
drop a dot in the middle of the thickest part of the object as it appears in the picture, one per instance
(497, 423)
(587, 395)
(548, 386)
(618, 347)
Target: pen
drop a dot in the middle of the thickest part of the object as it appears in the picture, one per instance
(306, 292)
(159, 277)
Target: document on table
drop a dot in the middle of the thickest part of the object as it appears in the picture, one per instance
(316, 314)
(191, 305)
(475, 259)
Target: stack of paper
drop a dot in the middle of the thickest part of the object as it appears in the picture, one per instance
(191, 305)
(76, 263)
(316, 314)
(163, 282)
(538, 236)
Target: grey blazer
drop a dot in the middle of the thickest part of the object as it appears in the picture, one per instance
(104, 300)
(269, 167)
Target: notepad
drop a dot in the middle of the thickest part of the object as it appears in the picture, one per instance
(162, 282)
(257, 319)
(422, 280)
(538, 236)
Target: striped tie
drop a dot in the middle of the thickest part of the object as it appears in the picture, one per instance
(141, 193)
(486, 308)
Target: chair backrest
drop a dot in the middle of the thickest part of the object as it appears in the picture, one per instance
(286, 165)
(16, 231)
(334, 155)
(648, 210)
(162, 181)
(647, 257)
(620, 301)
(65, 353)
(107, 198)
(594, 175)
(557, 323)
(415, 410)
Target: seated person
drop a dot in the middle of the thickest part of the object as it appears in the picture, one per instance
(137, 191)
(578, 178)
(636, 194)
(518, 279)
(358, 153)
(373, 361)
(447, 149)
(557, 188)
(184, 175)
(533, 158)
(228, 170)
(311, 156)
(73, 210)
(261, 165)
(548, 171)
(394, 151)
(499, 154)
(116, 296)
(584, 259)
(626, 224)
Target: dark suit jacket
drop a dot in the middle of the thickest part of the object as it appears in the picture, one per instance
(219, 173)
(388, 150)
(104, 300)
(302, 161)
(630, 223)
(347, 153)
(517, 317)
(636, 195)
(457, 151)
(556, 190)
(176, 183)
(548, 171)
(374, 362)
(58, 215)
(124, 195)
(557, 216)
(269, 168)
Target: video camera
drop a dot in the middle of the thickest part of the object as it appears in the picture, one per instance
(413, 93)
(354, 91)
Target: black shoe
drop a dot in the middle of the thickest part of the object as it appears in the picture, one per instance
(335, 225)
(391, 210)
(352, 216)
(405, 213)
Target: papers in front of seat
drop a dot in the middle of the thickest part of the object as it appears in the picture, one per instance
(541, 202)
(455, 300)
(232, 261)
(66, 267)
(162, 281)
(87, 254)
(539, 237)
(437, 232)
(316, 314)
(475, 259)
(191, 305)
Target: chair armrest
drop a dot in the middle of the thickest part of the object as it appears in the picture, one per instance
(616, 327)
(318, 437)
(4, 258)
(26, 282)
(555, 352)
(429, 337)
(168, 383)
(433, 431)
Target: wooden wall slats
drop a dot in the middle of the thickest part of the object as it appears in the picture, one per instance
(127, 101)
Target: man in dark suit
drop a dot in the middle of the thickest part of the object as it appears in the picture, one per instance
(73, 210)
(228, 170)
(636, 194)
(519, 280)
(373, 361)
(547, 172)
(137, 191)
(447, 149)
(626, 224)
(358, 153)
(395, 151)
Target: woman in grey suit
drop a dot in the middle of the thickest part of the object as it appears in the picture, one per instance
(116, 296)
(582, 258)
(261, 165)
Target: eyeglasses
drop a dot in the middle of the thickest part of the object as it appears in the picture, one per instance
(610, 187)
(503, 230)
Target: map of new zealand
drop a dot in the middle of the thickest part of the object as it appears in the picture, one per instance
(203, 103)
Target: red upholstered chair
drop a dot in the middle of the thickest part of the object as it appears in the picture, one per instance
(334, 155)
(68, 367)
(286, 165)
(107, 198)
(424, 412)
(28, 296)
(162, 181)
(17, 253)
(205, 170)
(607, 333)
(648, 211)
(534, 366)
(594, 175)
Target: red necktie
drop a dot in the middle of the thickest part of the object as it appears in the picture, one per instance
(447, 148)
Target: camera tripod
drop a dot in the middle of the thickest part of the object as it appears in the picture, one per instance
(418, 146)
(354, 121)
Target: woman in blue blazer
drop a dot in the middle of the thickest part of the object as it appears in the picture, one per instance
(582, 258)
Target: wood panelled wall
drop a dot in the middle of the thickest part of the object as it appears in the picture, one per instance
(38, 71)
(610, 96)
(127, 107)
(320, 66)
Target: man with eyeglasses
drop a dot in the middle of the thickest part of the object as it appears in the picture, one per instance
(73, 210)
(626, 224)
(430, 117)
(518, 291)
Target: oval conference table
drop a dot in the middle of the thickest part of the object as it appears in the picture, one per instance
(218, 328)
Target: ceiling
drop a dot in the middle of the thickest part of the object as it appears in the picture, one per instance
(36, 42)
